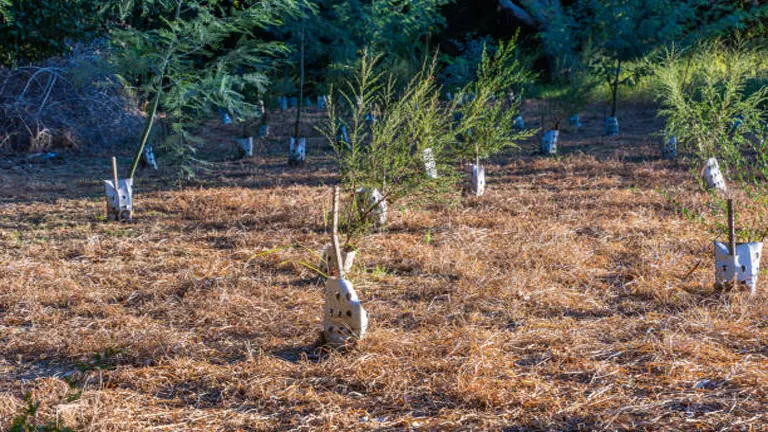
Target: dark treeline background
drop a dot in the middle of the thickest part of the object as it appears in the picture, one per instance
(197, 57)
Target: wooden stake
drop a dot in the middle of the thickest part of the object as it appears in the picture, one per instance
(732, 238)
(731, 229)
(114, 174)
(336, 246)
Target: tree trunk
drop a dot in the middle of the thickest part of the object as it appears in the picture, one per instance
(616, 88)
(147, 132)
(301, 85)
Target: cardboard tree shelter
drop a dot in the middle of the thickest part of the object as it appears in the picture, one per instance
(119, 194)
(476, 179)
(428, 156)
(245, 146)
(148, 159)
(549, 142)
(575, 121)
(344, 319)
(297, 151)
(669, 147)
(737, 263)
(712, 175)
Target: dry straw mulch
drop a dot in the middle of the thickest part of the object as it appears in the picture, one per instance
(570, 297)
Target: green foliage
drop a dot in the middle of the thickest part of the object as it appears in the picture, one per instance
(486, 127)
(625, 30)
(204, 56)
(571, 89)
(25, 421)
(704, 100)
(750, 218)
(458, 71)
(342, 30)
(387, 153)
(33, 30)
(723, 18)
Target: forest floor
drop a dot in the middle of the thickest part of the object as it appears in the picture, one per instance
(570, 297)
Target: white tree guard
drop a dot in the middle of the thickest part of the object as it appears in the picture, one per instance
(263, 131)
(260, 108)
(293, 102)
(575, 121)
(745, 266)
(549, 142)
(245, 146)
(148, 158)
(119, 202)
(344, 319)
(713, 177)
(283, 103)
(341, 135)
(321, 101)
(476, 179)
(297, 153)
(328, 260)
(461, 98)
(428, 156)
(376, 201)
(518, 123)
(225, 118)
(449, 96)
(669, 147)
(611, 126)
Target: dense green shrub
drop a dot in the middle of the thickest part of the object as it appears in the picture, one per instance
(704, 98)
(486, 124)
(388, 132)
(33, 30)
(204, 56)
(341, 31)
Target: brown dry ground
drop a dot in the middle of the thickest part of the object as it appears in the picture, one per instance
(570, 297)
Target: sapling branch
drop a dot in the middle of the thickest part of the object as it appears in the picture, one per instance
(145, 135)
(336, 246)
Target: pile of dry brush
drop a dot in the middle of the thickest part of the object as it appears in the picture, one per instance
(64, 103)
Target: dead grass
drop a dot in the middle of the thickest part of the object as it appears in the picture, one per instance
(570, 297)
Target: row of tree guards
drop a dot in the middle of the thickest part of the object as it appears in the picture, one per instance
(344, 318)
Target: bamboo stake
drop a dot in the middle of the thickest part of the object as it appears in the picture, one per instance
(336, 246)
(114, 174)
(731, 229)
(147, 132)
(732, 238)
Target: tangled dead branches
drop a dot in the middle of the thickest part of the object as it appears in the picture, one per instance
(64, 103)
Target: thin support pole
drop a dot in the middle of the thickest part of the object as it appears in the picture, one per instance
(146, 134)
(732, 237)
(115, 178)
